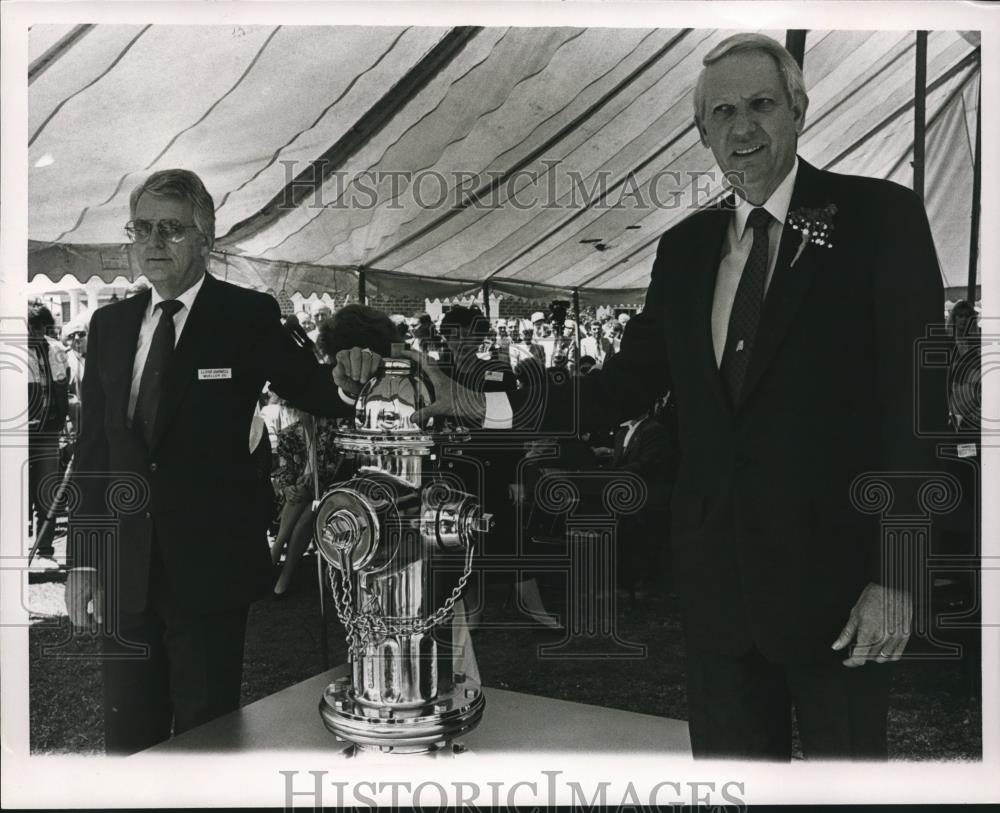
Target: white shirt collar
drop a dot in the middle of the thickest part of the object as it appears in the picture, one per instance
(776, 205)
(186, 299)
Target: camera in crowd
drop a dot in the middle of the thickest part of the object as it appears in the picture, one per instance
(558, 309)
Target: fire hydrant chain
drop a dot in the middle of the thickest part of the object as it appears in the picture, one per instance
(366, 628)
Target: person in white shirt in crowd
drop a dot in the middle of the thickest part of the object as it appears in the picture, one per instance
(595, 344)
(318, 311)
(534, 346)
(75, 336)
(544, 337)
(503, 342)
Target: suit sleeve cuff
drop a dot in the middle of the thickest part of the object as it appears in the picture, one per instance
(499, 415)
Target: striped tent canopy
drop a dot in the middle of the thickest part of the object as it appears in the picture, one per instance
(538, 160)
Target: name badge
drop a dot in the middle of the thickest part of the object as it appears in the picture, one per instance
(966, 449)
(214, 373)
(494, 375)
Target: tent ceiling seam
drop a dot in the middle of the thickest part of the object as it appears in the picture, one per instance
(554, 230)
(540, 150)
(86, 87)
(58, 51)
(959, 66)
(590, 204)
(378, 116)
(176, 136)
(935, 117)
(372, 167)
(444, 148)
(347, 89)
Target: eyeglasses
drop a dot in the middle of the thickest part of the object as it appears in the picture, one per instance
(173, 231)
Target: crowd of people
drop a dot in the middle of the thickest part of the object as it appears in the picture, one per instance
(299, 462)
(556, 337)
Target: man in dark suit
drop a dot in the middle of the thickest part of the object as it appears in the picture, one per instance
(173, 377)
(791, 358)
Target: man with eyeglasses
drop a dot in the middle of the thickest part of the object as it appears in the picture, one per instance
(173, 375)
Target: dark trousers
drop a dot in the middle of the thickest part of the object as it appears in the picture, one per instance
(43, 466)
(191, 671)
(741, 707)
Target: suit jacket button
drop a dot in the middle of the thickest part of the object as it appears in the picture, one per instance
(152, 467)
(149, 515)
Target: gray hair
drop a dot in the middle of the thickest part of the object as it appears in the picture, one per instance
(788, 68)
(183, 184)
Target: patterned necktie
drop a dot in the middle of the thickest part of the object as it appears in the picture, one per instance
(151, 383)
(745, 316)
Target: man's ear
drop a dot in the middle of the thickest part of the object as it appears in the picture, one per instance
(799, 110)
(702, 134)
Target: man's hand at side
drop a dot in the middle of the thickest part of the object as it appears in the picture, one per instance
(83, 586)
(880, 623)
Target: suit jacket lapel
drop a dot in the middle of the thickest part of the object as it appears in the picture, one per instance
(184, 362)
(789, 284)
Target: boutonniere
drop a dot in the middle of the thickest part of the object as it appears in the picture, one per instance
(815, 225)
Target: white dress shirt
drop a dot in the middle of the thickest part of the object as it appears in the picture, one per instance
(149, 320)
(736, 249)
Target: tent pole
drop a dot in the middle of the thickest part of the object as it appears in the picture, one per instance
(920, 114)
(977, 184)
(486, 298)
(795, 43)
(362, 298)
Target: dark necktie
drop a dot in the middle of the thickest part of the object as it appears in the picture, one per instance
(151, 383)
(745, 316)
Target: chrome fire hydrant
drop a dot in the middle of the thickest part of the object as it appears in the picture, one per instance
(399, 540)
